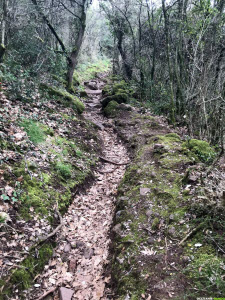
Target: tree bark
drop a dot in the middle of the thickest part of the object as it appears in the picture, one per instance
(72, 59)
(166, 29)
(127, 68)
(4, 22)
(72, 56)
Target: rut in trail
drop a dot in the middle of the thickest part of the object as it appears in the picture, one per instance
(83, 242)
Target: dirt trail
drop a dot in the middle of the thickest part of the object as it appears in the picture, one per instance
(83, 242)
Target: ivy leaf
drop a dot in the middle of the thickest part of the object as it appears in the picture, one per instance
(5, 197)
(14, 199)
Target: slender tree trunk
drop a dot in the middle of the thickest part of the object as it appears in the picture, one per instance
(72, 59)
(127, 68)
(4, 21)
(166, 29)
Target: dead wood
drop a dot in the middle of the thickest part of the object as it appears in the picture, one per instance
(47, 293)
(112, 162)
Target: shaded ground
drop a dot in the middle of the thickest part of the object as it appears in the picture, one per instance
(168, 230)
(166, 213)
(47, 152)
(82, 247)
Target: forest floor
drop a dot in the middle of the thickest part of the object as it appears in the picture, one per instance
(147, 224)
(82, 249)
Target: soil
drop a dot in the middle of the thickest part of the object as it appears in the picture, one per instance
(82, 249)
(121, 236)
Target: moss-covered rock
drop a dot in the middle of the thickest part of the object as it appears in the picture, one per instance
(119, 98)
(70, 99)
(111, 109)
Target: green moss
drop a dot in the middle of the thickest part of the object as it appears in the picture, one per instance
(171, 160)
(201, 149)
(169, 140)
(31, 266)
(70, 99)
(111, 109)
(78, 106)
(174, 136)
(121, 87)
(207, 271)
(34, 130)
(155, 223)
(34, 195)
(64, 170)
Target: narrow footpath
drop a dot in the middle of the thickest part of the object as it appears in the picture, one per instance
(82, 250)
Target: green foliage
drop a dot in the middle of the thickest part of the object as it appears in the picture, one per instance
(201, 149)
(31, 266)
(34, 131)
(89, 71)
(64, 170)
(207, 271)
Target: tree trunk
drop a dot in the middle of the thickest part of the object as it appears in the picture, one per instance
(4, 21)
(166, 29)
(127, 68)
(72, 59)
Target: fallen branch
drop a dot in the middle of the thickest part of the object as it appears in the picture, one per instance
(112, 162)
(107, 172)
(53, 232)
(47, 293)
(219, 248)
(191, 233)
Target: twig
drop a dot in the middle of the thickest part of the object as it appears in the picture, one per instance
(6, 225)
(191, 233)
(54, 231)
(112, 162)
(107, 172)
(33, 246)
(166, 251)
(47, 293)
(220, 249)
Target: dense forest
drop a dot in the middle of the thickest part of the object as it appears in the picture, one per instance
(112, 164)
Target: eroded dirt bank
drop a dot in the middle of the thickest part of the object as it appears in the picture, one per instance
(169, 223)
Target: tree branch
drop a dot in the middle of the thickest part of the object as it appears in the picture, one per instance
(72, 13)
(49, 25)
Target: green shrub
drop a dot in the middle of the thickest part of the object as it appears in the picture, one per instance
(207, 272)
(201, 149)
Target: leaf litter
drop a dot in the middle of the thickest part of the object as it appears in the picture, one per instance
(82, 250)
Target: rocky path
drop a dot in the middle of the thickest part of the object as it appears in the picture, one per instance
(83, 242)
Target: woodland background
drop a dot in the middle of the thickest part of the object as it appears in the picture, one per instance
(171, 52)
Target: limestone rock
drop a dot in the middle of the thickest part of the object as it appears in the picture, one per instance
(144, 191)
(65, 294)
(67, 248)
